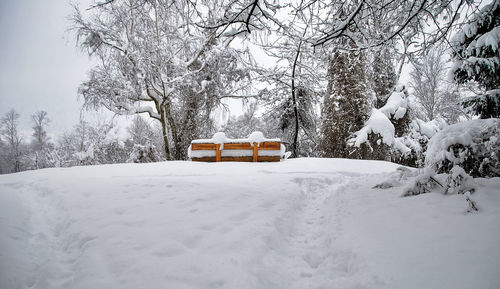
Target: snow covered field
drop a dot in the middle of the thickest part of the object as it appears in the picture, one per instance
(303, 223)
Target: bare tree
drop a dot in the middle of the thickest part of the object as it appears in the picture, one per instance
(435, 95)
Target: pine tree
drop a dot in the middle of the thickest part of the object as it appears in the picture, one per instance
(345, 107)
(383, 75)
(477, 58)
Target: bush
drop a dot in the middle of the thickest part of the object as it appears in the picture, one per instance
(472, 145)
(143, 154)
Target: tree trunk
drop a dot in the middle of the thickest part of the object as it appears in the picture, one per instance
(295, 108)
(167, 114)
(165, 137)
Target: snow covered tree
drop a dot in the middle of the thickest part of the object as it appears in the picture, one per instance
(40, 122)
(345, 105)
(476, 58)
(294, 84)
(77, 146)
(153, 59)
(40, 146)
(13, 141)
(385, 132)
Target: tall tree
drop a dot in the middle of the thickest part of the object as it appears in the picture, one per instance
(345, 105)
(477, 58)
(294, 85)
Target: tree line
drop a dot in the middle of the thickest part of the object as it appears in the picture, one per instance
(85, 144)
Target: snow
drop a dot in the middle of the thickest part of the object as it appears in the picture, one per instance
(256, 137)
(219, 138)
(302, 223)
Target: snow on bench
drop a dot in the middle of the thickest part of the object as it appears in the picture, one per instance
(255, 148)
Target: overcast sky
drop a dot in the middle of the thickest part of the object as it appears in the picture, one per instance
(40, 66)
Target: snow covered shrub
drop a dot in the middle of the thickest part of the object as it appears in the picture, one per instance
(459, 181)
(143, 154)
(473, 145)
(462, 151)
(419, 134)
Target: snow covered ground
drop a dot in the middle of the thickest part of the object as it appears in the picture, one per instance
(303, 223)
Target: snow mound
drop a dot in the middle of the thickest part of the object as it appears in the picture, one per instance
(219, 138)
(256, 137)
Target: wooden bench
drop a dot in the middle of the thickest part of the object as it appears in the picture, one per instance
(235, 150)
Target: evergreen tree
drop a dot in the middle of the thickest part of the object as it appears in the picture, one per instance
(477, 58)
(383, 75)
(345, 107)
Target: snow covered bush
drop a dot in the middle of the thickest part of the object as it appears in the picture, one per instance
(419, 134)
(143, 154)
(461, 151)
(473, 145)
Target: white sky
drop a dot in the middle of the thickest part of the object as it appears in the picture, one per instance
(40, 66)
